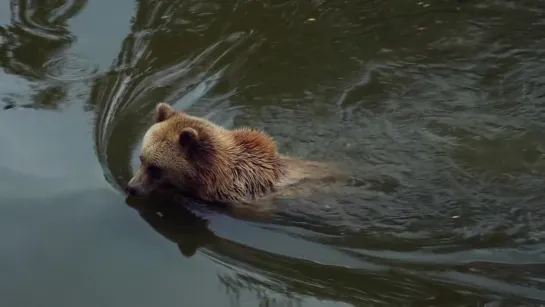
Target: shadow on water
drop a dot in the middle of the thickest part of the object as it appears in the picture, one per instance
(437, 107)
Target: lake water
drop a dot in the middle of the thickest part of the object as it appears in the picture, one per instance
(436, 107)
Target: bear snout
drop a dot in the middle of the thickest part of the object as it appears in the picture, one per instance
(135, 187)
(131, 191)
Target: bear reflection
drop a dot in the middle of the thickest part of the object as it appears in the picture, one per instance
(173, 219)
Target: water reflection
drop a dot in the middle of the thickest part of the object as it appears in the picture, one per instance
(36, 38)
(266, 272)
(176, 223)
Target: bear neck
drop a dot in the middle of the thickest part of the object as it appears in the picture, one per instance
(246, 167)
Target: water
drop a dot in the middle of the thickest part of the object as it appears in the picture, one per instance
(437, 108)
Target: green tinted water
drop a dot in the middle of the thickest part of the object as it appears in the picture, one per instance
(437, 108)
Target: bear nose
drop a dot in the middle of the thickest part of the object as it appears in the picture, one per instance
(131, 191)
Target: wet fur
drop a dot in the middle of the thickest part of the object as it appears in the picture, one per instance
(200, 158)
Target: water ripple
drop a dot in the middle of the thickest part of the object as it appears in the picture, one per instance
(69, 67)
(30, 17)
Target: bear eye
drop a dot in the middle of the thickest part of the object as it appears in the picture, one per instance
(154, 171)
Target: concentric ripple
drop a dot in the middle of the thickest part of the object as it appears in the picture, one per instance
(70, 68)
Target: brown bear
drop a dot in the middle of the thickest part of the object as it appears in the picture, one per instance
(201, 159)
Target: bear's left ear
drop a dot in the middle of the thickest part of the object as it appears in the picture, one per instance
(188, 137)
(163, 112)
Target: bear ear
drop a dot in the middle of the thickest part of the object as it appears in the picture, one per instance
(188, 137)
(163, 112)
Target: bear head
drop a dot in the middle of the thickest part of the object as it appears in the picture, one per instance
(179, 151)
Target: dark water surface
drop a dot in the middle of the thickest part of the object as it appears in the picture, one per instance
(437, 107)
